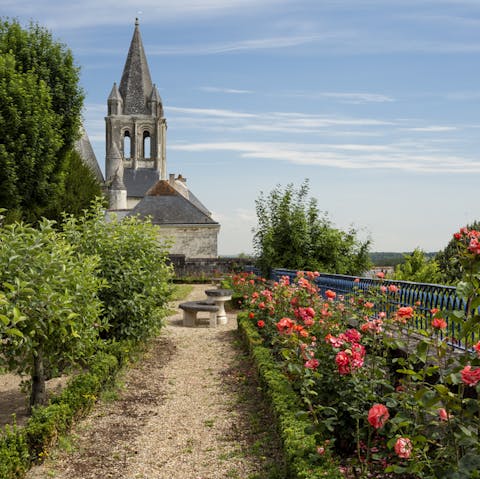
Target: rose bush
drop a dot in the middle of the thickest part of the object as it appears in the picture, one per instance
(387, 397)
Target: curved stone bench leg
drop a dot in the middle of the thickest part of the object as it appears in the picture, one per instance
(213, 320)
(189, 318)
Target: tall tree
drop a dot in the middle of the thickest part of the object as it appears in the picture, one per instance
(293, 233)
(448, 259)
(40, 106)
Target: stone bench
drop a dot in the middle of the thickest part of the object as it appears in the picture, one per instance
(192, 308)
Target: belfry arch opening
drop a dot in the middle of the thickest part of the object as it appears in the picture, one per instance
(127, 145)
(146, 153)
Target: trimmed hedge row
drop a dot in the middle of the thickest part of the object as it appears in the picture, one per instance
(21, 447)
(299, 447)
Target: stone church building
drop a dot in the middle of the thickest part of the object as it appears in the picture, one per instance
(136, 163)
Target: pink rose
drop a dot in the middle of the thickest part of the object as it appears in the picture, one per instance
(443, 415)
(378, 415)
(470, 376)
(312, 363)
(403, 447)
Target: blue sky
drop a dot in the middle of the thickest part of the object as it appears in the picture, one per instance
(377, 102)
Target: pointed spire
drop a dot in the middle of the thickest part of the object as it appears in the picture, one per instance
(155, 96)
(115, 94)
(136, 83)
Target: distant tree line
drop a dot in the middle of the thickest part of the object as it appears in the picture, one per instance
(383, 258)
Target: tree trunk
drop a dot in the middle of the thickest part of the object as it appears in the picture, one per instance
(38, 395)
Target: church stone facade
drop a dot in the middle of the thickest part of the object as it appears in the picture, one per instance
(136, 166)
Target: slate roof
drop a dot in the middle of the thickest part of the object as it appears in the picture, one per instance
(136, 83)
(85, 150)
(166, 206)
(139, 181)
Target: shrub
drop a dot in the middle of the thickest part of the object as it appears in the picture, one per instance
(133, 264)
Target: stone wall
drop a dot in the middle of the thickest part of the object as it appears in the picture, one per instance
(192, 241)
(207, 267)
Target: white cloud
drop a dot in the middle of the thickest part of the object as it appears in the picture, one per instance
(211, 112)
(88, 13)
(432, 129)
(343, 156)
(348, 97)
(234, 91)
(267, 43)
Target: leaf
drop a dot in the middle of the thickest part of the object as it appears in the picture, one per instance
(15, 332)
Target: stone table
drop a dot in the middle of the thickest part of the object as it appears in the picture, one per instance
(220, 297)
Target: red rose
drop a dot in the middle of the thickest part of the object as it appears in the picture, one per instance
(330, 294)
(439, 323)
(470, 376)
(261, 323)
(378, 415)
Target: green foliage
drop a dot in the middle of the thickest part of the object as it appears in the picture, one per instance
(14, 454)
(30, 142)
(35, 50)
(133, 263)
(418, 268)
(300, 448)
(53, 290)
(40, 106)
(20, 447)
(81, 186)
(292, 233)
(448, 259)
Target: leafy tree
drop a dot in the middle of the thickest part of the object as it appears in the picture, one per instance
(40, 106)
(81, 186)
(133, 263)
(448, 259)
(30, 140)
(418, 268)
(292, 233)
(50, 312)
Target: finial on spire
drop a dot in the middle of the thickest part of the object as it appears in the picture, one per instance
(136, 22)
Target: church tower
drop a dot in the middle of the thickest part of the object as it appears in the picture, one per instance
(135, 131)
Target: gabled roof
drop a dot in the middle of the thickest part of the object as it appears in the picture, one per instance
(138, 181)
(136, 84)
(85, 150)
(166, 206)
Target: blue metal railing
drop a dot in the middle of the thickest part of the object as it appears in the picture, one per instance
(422, 295)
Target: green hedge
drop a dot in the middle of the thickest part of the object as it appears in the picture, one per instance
(299, 447)
(21, 447)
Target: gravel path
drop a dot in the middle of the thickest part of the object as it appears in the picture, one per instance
(189, 409)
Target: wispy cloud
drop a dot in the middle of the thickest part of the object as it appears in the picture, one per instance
(343, 156)
(89, 13)
(432, 129)
(266, 43)
(234, 91)
(347, 97)
(211, 112)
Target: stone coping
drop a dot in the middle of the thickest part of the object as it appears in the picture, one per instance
(218, 292)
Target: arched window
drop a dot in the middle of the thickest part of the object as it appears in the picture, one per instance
(127, 145)
(146, 145)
